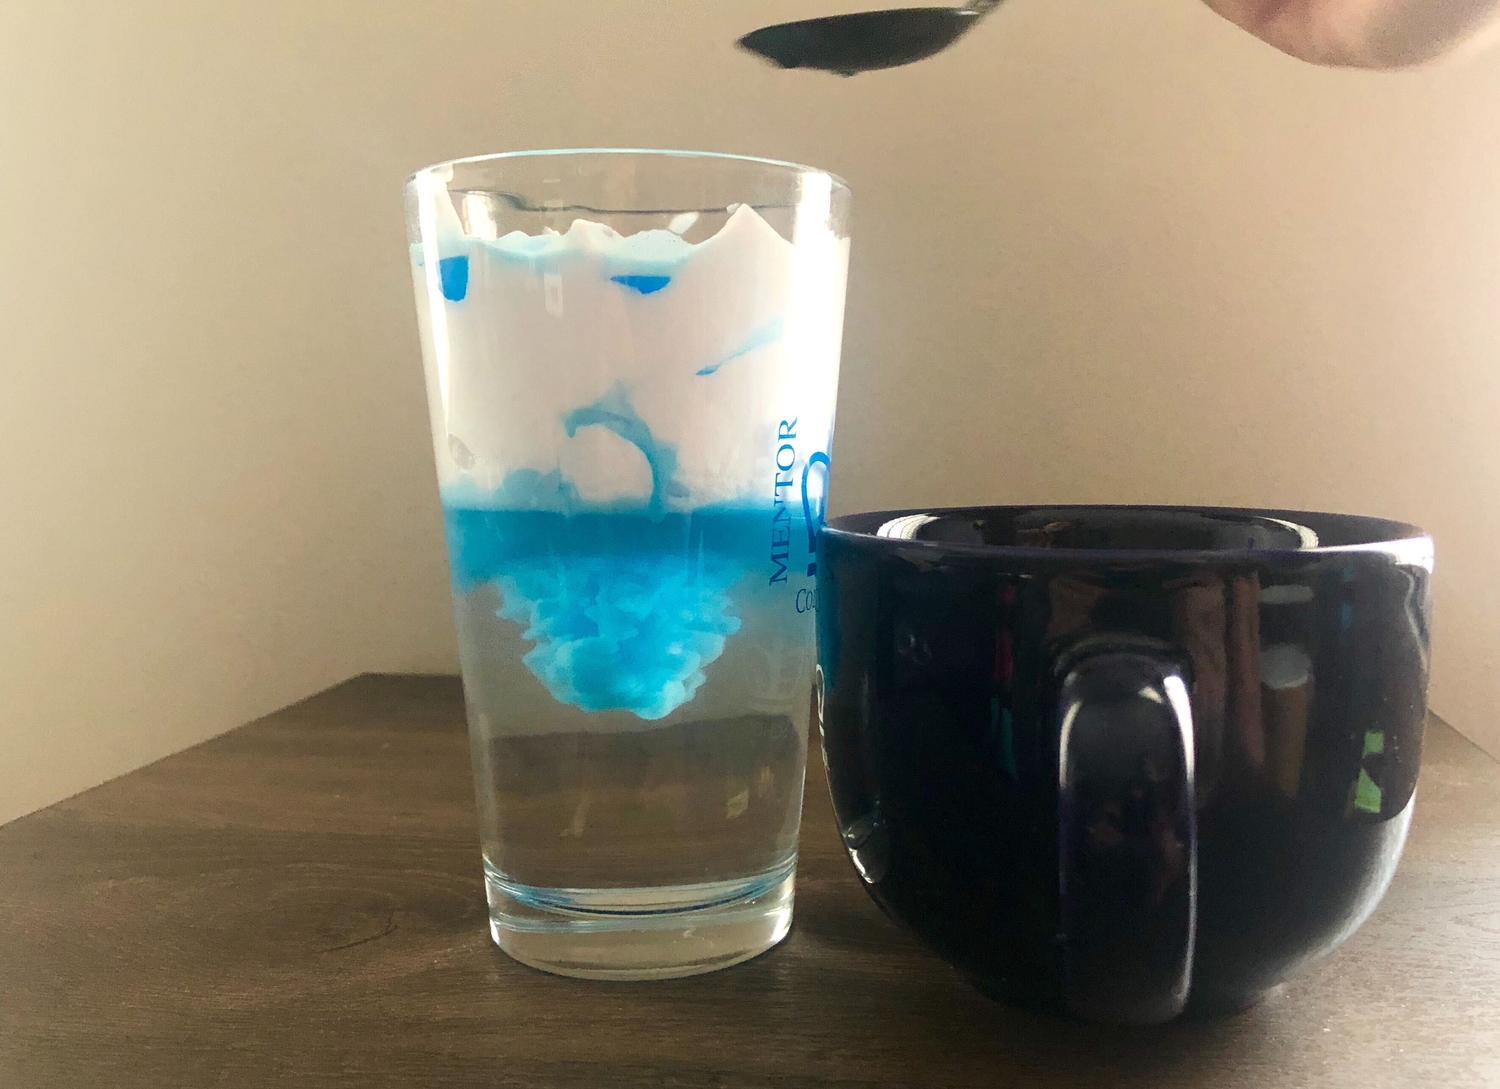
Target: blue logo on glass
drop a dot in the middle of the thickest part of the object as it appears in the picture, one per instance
(814, 505)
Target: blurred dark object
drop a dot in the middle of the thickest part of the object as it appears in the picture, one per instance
(866, 40)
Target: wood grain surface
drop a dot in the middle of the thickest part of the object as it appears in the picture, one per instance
(299, 902)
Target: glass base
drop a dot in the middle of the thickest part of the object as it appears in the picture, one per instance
(640, 933)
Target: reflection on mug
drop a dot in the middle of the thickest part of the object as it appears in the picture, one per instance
(1198, 625)
(1216, 620)
(1286, 689)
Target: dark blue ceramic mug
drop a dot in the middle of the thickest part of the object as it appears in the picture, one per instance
(1123, 762)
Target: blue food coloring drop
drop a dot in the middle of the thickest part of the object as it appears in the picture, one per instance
(646, 285)
(454, 272)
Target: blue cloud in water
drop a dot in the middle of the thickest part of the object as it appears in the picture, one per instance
(622, 632)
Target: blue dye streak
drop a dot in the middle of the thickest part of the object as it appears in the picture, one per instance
(646, 285)
(454, 272)
(768, 333)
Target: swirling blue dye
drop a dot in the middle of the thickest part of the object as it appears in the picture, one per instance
(623, 632)
(625, 608)
(614, 412)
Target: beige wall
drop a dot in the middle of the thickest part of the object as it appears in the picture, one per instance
(1103, 251)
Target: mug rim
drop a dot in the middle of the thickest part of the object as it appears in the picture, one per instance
(1407, 543)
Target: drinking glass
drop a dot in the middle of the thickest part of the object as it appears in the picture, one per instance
(631, 362)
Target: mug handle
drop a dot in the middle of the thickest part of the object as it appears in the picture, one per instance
(1127, 834)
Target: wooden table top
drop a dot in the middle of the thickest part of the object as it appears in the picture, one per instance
(299, 902)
